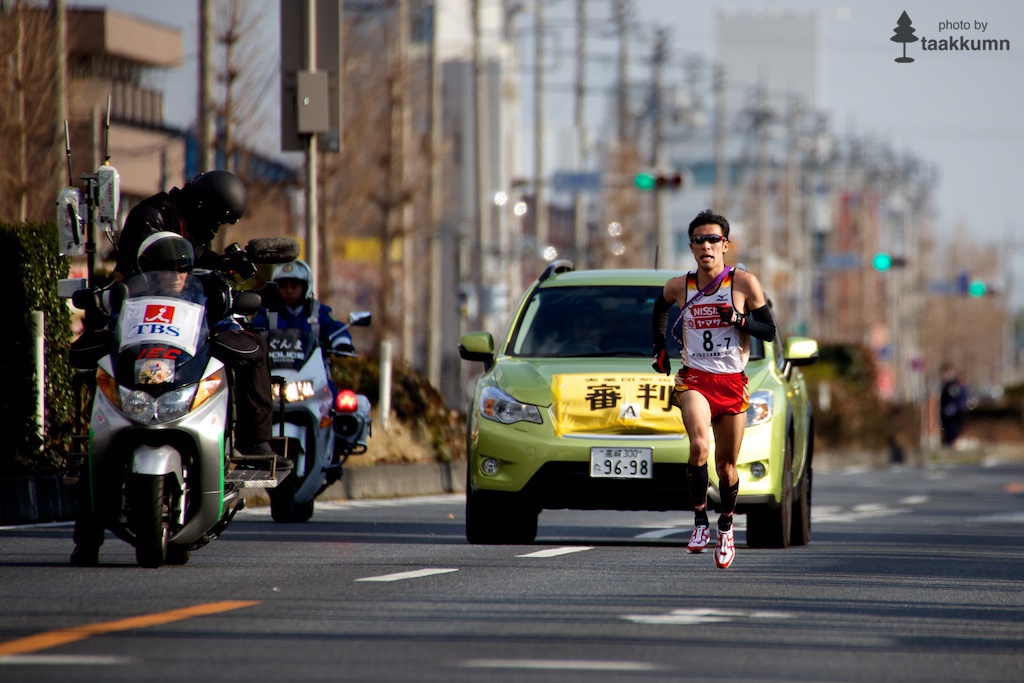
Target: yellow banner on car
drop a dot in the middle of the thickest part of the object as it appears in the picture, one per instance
(602, 403)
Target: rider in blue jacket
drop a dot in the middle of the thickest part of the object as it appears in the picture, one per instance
(299, 310)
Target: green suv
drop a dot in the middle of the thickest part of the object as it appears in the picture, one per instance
(569, 414)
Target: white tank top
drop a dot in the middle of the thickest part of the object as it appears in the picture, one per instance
(708, 343)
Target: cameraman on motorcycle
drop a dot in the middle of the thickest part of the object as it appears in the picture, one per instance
(299, 310)
(196, 212)
(165, 259)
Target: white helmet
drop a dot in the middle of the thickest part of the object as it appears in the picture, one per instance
(295, 270)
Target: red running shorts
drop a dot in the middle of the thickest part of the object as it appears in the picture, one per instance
(727, 394)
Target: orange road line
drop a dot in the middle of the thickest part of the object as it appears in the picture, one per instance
(45, 641)
(1014, 487)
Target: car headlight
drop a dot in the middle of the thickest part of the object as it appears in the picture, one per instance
(496, 405)
(294, 391)
(141, 407)
(760, 409)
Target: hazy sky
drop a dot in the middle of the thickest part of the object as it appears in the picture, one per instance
(959, 110)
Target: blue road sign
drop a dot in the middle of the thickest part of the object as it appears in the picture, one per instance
(571, 181)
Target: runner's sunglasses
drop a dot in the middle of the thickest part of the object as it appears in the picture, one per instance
(714, 239)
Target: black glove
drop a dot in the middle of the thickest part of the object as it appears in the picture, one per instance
(730, 315)
(661, 362)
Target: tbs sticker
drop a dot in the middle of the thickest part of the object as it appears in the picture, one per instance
(158, 320)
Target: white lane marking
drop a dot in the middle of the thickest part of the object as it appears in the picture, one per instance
(400, 576)
(1005, 518)
(64, 660)
(914, 500)
(555, 552)
(870, 507)
(739, 524)
(557, 665)
(342, 505)
(662, 533)
(35, 525)
(701, 615)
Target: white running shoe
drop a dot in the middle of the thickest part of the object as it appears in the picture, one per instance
(698, 539)
(725, 549)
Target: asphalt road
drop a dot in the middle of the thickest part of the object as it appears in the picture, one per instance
(912, 575)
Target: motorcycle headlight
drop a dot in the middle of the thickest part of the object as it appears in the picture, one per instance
(760, 409)
(496, 405)
(141, 407)
(174, 404)
(294, 391)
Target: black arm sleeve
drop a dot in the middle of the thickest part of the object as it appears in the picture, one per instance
(659, 320)
(760, 324)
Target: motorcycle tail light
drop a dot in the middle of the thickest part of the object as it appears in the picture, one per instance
(346, 402)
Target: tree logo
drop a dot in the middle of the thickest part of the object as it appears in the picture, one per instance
(904, 34)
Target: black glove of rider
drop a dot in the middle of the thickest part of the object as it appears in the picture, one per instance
(661, 362)
(730, 315)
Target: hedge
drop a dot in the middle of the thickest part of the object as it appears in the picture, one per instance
(30, 266)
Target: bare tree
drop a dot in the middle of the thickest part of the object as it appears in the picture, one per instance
(27, 110)
(375, 190)
(245, 69)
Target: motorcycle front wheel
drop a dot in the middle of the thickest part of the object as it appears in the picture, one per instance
(283, 508)
(148, 518)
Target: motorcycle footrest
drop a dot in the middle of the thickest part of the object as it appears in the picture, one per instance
(263, 476)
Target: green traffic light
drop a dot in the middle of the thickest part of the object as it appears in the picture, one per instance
(882, 261)
(645, 181)
(976, 288)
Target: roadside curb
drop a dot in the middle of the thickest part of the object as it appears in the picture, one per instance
(28, 499)
(387, 481)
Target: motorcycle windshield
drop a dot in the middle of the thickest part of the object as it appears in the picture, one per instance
(161, 333)
(290, 349)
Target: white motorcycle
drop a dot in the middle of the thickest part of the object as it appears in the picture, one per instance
(156, 450)
(321, 430)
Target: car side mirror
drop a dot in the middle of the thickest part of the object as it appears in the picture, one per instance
(800, 351)
(478, 347)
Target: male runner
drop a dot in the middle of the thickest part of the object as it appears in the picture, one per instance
(720, 308)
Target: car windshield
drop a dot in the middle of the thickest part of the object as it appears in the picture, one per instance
(594, 321)
(565, 322)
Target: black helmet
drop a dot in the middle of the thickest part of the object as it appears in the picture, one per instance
(220, 196)
(165, 251)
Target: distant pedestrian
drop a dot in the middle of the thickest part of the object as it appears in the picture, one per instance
(952, 405)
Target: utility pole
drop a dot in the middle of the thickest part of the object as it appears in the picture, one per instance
(204, 133)
(434, 331)
(405, 215)
(580, 236)
(761, 117)
(661, 235)
(718, 200)
(622, 85)
(312, 162)
(482, 244)
(60, 18)
(539, 192)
